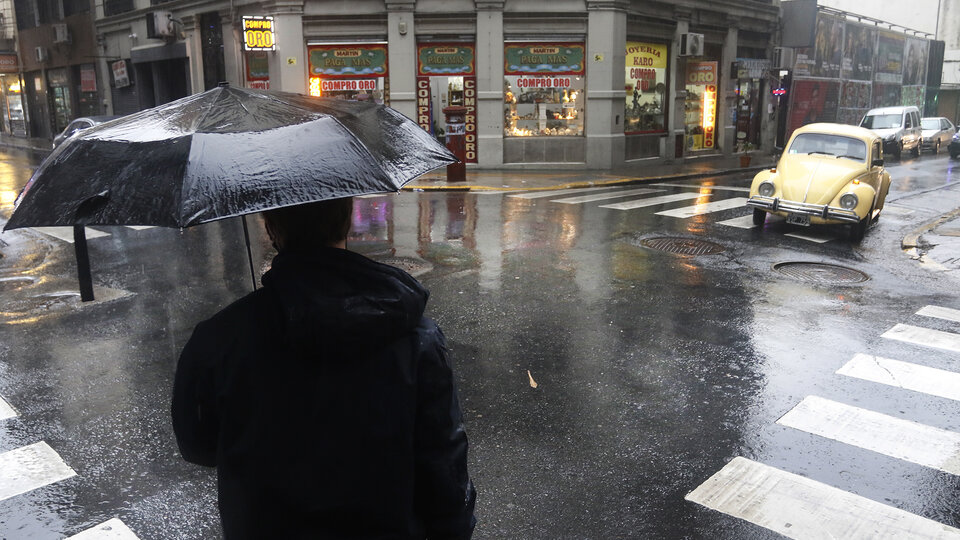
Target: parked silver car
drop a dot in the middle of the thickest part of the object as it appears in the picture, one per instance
(78, 125)
(937, 132)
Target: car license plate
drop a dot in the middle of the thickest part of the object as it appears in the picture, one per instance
(798, 219)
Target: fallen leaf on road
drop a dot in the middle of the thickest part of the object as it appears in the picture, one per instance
(533, 383)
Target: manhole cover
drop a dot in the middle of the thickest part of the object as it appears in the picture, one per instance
(820, 272)
(682, 246)
(410, 265)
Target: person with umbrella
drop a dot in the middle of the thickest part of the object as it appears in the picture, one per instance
(325, 399)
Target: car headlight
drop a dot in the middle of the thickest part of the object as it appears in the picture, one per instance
(956, 136)
(849, 201)
(766, 188)
(891, 137)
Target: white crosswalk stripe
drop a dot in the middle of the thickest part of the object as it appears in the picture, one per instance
(743, 222)
(605, 196)
(704, 208)
(894, 437)
(798, 507)
(926, 337)
(938, 312)
(6, 411)
(704, 187)
(812, 236)
(66, 233)
(112, 529)
(936, 382)
(557, 192)
(653, 201)
(30, 467)
(140, 227)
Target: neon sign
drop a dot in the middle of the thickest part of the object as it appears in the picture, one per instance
(708, 121)
(258, 34)
(314, 89)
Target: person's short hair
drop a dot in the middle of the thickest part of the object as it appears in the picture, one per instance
(323, 223)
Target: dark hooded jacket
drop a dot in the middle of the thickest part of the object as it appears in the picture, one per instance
(327, 404)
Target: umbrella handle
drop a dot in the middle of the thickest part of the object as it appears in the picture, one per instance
(83, 263)
(246, 238)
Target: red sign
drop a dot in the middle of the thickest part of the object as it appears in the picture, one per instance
(8, 63)
(544, 82)
(343, 85)
(470, 102)
(88, 79)
(423, 103)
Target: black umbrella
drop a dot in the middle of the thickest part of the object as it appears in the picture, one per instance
(224, 153)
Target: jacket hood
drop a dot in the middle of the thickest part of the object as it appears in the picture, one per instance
(816, 179)
(332, 297)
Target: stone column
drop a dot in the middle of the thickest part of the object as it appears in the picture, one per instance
(288, 64)
(489, 59)
(676, 112)
(402, 56)
(194, 43)
(232, 33)
(726, 90)
(605, 60)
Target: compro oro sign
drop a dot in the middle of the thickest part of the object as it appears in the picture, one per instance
(258, 34)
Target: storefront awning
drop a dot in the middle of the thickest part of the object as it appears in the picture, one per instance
(155, 53)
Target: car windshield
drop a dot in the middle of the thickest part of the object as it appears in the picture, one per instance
(881, 121)
(930, 123)
(831, 145)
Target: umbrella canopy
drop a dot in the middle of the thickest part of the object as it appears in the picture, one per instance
(224, 153)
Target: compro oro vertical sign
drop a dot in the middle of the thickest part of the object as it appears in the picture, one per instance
(258, 34)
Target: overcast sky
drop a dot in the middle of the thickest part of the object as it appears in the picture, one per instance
(914, 14)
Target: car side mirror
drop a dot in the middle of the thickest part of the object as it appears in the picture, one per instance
(877, 162)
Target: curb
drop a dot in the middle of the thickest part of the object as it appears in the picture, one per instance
(912, 239)
(586, 183)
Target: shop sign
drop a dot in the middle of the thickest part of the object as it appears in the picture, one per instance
(708, 121)
(470, 102)
(445, 59)
(544, 82)
(258, 85)
(120, 77)
(344, 85)
(8, 63)
(348, 61)
(58, 77)
(701, 73)
(258, 66)
(751, 68)
(645, 64)
(88, 78)
(258, 34)
(543, 58)
(423, 104)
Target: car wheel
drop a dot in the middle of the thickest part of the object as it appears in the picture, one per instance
(936, 147)
(916, 150)
(759, 217)
(859, 230)
(898, 151)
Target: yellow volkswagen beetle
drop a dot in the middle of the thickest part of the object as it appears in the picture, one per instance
(829, 174)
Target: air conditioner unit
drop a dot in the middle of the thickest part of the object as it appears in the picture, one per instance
(61, 33)
(691, 44)
(160, 24)
(40, 53)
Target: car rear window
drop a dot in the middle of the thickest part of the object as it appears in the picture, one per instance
(882, 121)
(930, 123)
(831, 145)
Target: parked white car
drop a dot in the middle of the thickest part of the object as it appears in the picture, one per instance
(937, 132)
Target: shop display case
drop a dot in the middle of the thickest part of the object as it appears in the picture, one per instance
(550, 112)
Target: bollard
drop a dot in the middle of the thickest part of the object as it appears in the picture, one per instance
(456, 132)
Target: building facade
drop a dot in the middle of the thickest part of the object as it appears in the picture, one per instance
(566, 83)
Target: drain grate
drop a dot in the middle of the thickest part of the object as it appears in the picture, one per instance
(413, 266)
(820, 272)
(682, 246)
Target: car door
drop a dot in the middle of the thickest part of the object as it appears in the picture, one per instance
(946, 131)
(879, 178)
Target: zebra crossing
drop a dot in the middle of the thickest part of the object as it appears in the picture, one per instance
(798, 507)
(37, 465)
(700, 202)
(66, 233)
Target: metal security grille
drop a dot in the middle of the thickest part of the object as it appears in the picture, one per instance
(682, 246)
(820, 272)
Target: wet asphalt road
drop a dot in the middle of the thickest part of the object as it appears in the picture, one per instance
(602, 380)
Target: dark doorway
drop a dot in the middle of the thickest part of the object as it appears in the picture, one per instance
(211, 37)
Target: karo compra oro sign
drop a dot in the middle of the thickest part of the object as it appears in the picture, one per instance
(9, 63)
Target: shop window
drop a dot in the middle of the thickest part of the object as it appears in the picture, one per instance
(646, 88)
(26, 13)
(446, 77)
(544, 87)
(115, 7)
